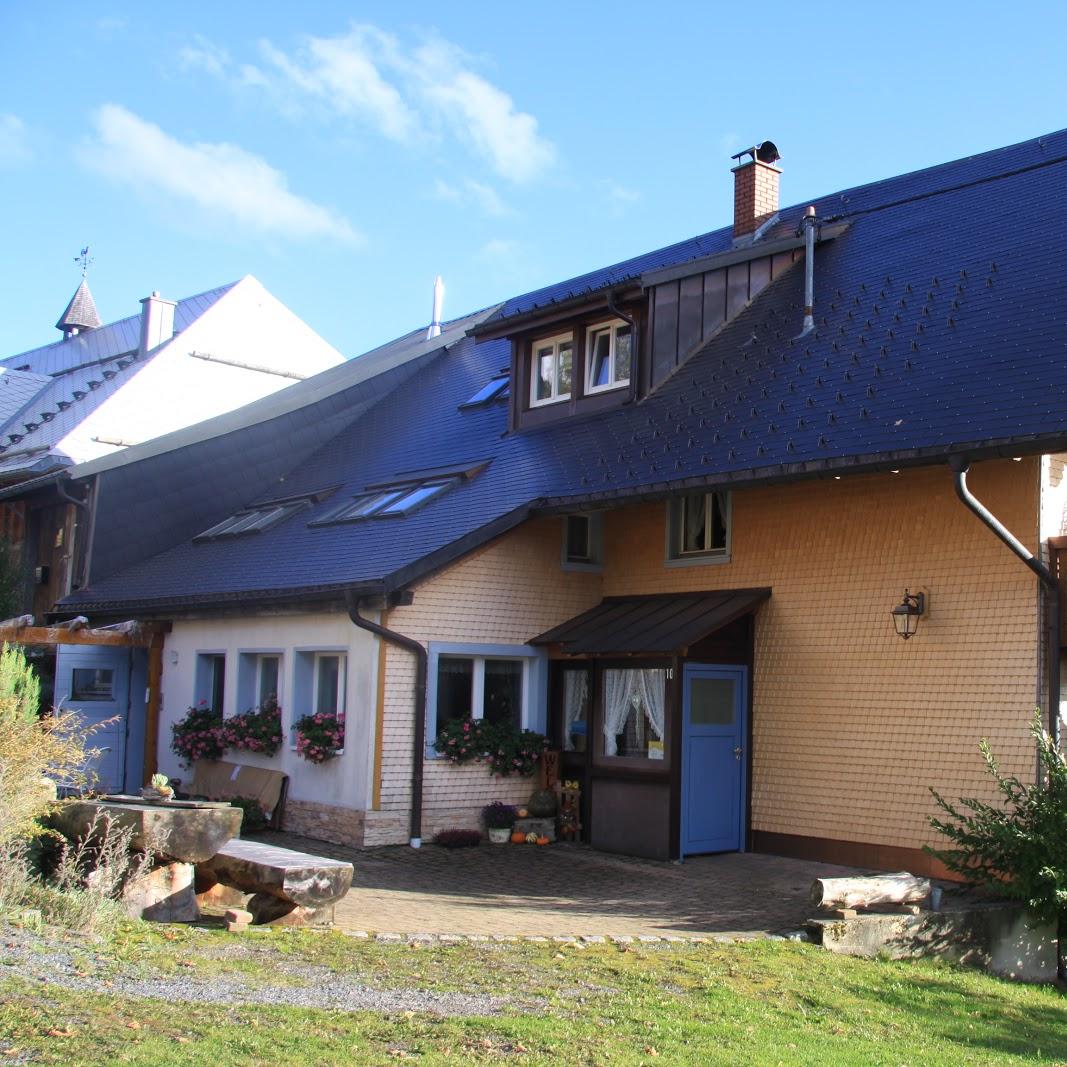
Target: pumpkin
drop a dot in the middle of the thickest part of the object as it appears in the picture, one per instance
(543, 841)
(531, 838)
(517, 837)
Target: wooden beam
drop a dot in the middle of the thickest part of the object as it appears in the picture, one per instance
(51, 635)
(152, 708)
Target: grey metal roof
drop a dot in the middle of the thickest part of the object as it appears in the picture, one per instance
(17, 389)
(81, 312)
(107, 342)
(668, 623)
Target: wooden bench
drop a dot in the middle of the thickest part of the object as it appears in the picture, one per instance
(287, 887)
(221, 780)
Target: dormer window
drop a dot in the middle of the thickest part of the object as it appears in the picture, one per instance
(551, 369)
(608, 356)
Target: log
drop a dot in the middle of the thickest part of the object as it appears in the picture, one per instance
(899, 888)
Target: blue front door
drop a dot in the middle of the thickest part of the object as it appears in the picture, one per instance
(714, 736)
(95, 681)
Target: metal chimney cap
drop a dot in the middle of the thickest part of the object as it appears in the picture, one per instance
(765, 152)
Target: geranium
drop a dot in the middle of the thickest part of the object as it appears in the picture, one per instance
(320, 737)
(197, 735)
(505, 748)
(256, 730)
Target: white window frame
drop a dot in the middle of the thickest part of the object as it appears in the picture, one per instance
(595, 560)
(248, 694)
(675, 557)
(204, 676)
(613, 325)
(554, 342)
(534, 683)
(307, 685)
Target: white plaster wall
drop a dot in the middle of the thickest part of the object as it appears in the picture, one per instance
(343, 781)
(1053, 496)
(173, 389)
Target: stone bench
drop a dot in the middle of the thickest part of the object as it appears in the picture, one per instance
(288, 888)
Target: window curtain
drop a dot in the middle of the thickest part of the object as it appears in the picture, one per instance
(575, 701)
(651, 687)
(618, 686)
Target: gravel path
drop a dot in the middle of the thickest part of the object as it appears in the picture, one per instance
(50, 960)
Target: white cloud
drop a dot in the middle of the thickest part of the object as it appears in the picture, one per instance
(14, 144)
(481, 113)
(416, 93)
(484, 197)
(343, 72)
(220, 178)
(203, 55)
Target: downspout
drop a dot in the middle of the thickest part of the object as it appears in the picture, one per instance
(960, 467)
(418, 750)
(634, 341)
(76, 570)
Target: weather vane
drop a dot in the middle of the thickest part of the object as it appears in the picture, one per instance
(84, 259)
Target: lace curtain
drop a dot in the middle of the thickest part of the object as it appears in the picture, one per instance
(618, 687)
(651, 687)
(575, 703)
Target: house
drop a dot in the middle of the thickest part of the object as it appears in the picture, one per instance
(672, 513)
(99, 390)
(102, 388)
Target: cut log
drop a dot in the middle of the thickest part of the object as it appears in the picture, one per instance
(899, 888)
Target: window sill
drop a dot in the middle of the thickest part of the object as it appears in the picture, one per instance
(697, 561)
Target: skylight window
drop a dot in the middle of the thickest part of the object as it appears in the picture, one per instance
(252, 520)
(497, 388)
(259, 517)
(390, 502)
(403, 496)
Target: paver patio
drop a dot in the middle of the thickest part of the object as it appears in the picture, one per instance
(564, 889)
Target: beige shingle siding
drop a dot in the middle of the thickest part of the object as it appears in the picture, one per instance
(505, 593)
(851, 724)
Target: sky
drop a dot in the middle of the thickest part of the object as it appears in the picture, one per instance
(346, 153)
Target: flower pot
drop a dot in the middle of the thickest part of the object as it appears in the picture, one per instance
(499, 835)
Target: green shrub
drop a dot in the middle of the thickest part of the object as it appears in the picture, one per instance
(1020, 846)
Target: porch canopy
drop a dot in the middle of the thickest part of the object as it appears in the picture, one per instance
(667, 623)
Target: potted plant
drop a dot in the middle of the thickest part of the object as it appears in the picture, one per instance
(320, 737)
(499, 818)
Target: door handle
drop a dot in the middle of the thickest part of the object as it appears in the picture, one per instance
(738, 752)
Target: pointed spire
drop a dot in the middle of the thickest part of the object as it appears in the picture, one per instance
(80, 314)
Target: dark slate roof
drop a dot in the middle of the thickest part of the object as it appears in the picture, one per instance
(941, 328)
(81, 311)
(668, 623)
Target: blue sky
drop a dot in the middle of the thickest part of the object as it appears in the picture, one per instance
(346, 153)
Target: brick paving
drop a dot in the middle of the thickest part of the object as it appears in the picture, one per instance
(566, 890)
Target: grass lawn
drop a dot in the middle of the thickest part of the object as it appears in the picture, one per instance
(755, 1003)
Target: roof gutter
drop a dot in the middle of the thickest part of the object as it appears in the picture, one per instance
(960, 466)
(418, 751)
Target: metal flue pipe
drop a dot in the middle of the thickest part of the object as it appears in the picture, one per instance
(809, 224)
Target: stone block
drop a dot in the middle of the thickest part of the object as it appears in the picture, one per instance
(163, 894)
(995, 938)
(541, 827)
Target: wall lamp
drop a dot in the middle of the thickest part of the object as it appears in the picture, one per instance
(906, 614)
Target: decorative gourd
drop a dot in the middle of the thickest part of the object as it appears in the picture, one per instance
(518, 837)
(531, 838)
(543, 841)
(542, 805)
(523, 813)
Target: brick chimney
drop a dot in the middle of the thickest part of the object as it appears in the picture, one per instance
(755, 188)
(157, 322)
